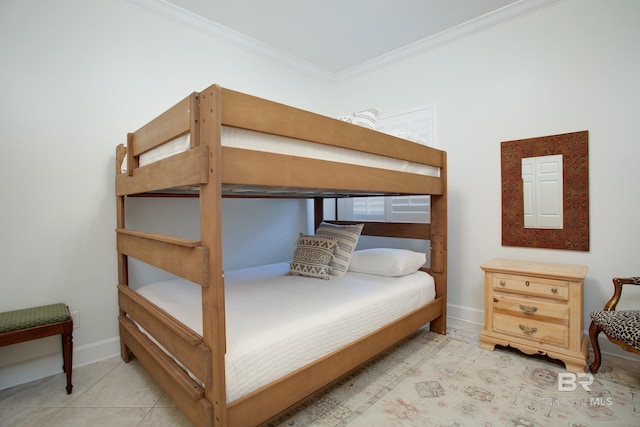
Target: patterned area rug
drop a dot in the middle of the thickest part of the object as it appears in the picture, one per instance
(436, 380)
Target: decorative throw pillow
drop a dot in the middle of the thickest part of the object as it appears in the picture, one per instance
(387, 261)
(348, 236)
(365, 118)
(312, 257)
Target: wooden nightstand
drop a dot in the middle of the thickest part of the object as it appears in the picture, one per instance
(536, 307)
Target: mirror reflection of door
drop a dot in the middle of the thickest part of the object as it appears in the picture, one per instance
(542, 188)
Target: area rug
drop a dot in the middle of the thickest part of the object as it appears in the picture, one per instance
(436, 380)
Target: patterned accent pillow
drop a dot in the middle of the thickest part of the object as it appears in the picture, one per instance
(365, 118)
(312, 257)
(348, 236)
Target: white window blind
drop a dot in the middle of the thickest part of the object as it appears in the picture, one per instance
(413, 124)
(388, 209)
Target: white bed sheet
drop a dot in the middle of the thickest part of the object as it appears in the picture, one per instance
(242, 138)
(278, 323)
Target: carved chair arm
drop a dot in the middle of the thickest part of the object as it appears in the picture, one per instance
(617, 284)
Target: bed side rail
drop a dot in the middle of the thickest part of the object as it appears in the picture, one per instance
(278, 170)
(183, 257)
(185, 344)
(181, 170)
(187, 394)
(280, 119)
(269, 400)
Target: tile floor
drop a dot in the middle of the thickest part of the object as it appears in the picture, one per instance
(107, 393)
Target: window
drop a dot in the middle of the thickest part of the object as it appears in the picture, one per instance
(416, 125)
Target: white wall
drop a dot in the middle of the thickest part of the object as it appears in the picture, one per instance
(76, 76)
(569, 67)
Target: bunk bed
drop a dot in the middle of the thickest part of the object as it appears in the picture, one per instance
(191, 150)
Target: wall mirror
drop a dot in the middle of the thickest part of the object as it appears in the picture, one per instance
(545, 192)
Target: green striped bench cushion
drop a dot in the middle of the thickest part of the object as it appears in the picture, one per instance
(31, 317)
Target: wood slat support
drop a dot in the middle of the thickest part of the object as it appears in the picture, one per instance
(183, 390)
(181, 341)
(404, 230)
(181, 257)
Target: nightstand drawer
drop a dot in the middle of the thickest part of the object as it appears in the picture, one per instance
(547, 288)
(544, 333)
(531, 308)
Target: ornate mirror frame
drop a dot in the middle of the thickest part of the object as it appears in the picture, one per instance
(574, 235)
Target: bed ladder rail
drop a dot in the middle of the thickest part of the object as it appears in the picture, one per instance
(172, 334)
(182, 257)
(187, 394)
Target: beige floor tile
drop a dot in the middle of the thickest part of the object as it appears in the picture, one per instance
(461, 324)
(83, 417)
(165, 417)
(51, 391)
(26, 417)
(128, 385)
(165, 402)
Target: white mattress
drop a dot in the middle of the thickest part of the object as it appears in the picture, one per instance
(277, 323)
(242, 138)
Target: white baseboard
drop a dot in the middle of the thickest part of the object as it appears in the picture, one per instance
(465, 314)
(51, 364)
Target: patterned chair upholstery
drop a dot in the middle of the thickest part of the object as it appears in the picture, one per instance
(621, 327)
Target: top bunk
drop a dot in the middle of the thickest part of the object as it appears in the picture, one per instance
(254, 147)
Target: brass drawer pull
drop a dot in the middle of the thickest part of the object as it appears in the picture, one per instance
(502, 283)
(527, 283)
(554, 290)
(528, 330)
(528, 309)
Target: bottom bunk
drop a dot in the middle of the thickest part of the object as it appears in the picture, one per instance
(287, 335)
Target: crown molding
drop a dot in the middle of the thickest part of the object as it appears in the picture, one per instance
(256, 47)
(231, 37)
(492, 19)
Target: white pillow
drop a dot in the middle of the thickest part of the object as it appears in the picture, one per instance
(365, 118)
(386, 261)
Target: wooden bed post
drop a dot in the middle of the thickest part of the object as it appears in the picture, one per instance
(123, 266)
(213, 309)
(439, 248)
(318, 211)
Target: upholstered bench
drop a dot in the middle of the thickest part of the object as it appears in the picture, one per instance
(39, 322)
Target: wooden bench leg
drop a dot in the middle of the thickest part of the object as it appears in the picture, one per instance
(67, 354)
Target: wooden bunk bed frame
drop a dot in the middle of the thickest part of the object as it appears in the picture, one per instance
(215, 171)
